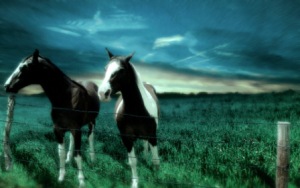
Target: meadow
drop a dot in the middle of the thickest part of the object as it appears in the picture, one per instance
(205, 140)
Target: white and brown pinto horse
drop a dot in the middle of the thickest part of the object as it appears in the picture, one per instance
(136, 111)
(73, 105)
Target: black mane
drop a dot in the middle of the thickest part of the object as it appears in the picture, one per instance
(54, 67)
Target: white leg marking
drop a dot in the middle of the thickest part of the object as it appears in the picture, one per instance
(91, 142)
(78, 160)
(146, 148)
(155, 158)
(71, 149)
(132, 162)
(62, 158)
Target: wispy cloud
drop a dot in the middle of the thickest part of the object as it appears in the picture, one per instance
(118, 20)
(167, 41)
(63, 31)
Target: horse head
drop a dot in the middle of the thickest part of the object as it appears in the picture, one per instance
(25, 74)
(117, 75)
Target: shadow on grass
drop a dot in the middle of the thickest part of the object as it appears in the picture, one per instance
(29, 157)
(263, 176)
(297, 179)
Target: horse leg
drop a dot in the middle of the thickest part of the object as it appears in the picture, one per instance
(154, 151)
(61, 153)
(146, 148)
(91, 140)
(132, 160)
(78, 158)
(71, 148)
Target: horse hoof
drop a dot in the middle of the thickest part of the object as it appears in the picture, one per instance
(81, 184)
(69, 157)
(93, 157)
(60, 179)
(62, 174)
(68, 160)
(156, 167)
(134, 183)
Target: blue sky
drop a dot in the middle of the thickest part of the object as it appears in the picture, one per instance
(180, 46)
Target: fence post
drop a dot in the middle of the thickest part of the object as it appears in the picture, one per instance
(283, 154)
(6, 144)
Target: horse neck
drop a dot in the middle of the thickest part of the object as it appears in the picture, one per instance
(56, 86)
(133, 95)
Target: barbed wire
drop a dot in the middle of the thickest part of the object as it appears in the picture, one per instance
(161, 117)
(115, 132)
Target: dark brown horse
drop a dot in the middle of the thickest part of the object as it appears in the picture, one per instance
(136, 110)
(73, 104)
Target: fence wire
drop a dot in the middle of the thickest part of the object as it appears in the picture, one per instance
(114, 132)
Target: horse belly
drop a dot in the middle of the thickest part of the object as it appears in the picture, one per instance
(69, 120)
(137, 127)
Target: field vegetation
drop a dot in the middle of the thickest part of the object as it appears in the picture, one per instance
(204, 140)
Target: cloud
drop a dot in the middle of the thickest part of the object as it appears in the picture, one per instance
(170, 78)
(167, 41)
(63, 31)
(233, 51)
(116, 20)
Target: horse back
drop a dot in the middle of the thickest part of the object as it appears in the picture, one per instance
(92, 90)
(92, 100)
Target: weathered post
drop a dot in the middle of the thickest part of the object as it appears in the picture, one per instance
(283, 154)
(6, 144)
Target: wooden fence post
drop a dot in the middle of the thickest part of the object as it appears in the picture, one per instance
(283, 155)
(6, 144)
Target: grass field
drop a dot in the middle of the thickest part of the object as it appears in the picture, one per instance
(215, 140)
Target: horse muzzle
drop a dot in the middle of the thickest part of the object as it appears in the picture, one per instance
(104, 95)
(9, 89)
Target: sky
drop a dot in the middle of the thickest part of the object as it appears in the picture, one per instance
(185, 46)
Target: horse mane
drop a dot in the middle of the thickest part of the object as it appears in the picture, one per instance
(135, 74)
(53, 66)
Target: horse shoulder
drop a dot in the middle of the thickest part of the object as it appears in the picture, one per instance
(91, 89)
(150, 88)
(75, 94)
(119, 106)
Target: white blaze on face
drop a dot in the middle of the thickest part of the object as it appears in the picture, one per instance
(16, 72)
(105, 86)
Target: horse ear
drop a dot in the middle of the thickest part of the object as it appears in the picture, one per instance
(129, 57)
(109, 53)
(36, 54)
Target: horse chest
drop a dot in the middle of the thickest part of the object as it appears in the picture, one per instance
(138, 124)
(80, 109)
(65, 118)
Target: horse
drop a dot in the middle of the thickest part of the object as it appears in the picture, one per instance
(74, 105)
(136, 110)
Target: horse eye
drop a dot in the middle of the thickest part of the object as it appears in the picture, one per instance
(24, 67)
(113, 75)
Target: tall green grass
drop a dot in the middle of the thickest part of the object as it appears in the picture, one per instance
(206, 140)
